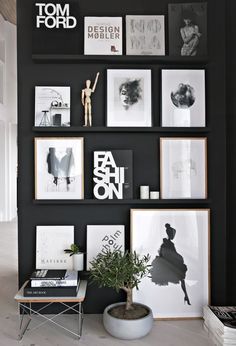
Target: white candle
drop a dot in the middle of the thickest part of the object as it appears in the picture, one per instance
(144, 192)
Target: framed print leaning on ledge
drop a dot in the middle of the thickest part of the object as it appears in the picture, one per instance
(59, 168)
(183, 167)
(177, 241)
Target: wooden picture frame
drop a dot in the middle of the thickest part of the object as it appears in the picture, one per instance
(59, 167)
(183, 167)
(178, 242)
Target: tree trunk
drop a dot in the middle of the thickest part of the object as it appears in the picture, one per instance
(129, 300)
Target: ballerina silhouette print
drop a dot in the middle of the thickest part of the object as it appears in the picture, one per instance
(169, 266)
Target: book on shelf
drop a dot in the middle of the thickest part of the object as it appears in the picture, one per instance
(68, 291)
(54, 278)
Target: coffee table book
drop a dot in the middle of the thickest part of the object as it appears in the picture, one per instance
(54, 278)
(69, 291)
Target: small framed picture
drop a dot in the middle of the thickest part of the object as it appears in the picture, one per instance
(51, 241)
(52, 106)
(177, 241)
(145, 35)
(103, 238)
(183, 168)
(183, 98)
(59, 168)
(129, 98)
(188, 29)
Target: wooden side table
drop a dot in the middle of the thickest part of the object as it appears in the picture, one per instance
(25, 306)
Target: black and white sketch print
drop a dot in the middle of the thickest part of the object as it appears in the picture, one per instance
(103, 238)
(52, 106)
(59, 168)
(129, 98)
(188, 29)
(145, 35)
(183, 167)
(183, 98)
(177, 241)
(113, 174)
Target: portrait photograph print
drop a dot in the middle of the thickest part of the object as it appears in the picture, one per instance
(52, 106)
(183, 168)
(183, 98)
(129, 98)
(188, 29)
(59, 168)
(145, 35)
(177, 241)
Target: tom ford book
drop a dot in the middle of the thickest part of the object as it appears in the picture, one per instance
(113, 174)
(103, 35)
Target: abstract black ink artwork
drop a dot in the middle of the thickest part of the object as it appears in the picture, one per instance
(169, 266)
(183, 96)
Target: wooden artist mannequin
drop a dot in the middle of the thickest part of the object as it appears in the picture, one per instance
(86, 100)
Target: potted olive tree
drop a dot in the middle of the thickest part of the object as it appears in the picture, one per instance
(123, 271)
(78, 257)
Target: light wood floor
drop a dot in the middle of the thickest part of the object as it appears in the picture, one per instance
(178, 333)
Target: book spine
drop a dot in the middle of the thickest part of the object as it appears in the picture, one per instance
(53, 283)
(50, 291)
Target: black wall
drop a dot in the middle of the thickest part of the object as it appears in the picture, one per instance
(144, 145)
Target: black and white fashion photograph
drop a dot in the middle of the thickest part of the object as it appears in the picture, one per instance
(177, 242)
(59, 168)
(145, 35)
(183, 98)
(52, 106)
(188, 29)
(183, 167)
(129, 98)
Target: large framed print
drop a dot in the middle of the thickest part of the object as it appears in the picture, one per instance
(103, 35)
(183, 167)
(52, 106)
(145, 35)
(183, 98)
(103, 238)
(188, 29)
(51, 241)
(59, 168)
(177, 241)
(129, 98)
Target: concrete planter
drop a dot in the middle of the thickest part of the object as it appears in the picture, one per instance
(127, 329)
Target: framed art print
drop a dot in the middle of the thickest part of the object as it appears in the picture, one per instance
(129, 98)
(183, 98)
(177, 241)
(188, 29)
(103, 35)
(145, 35)
(52, 106)
(183, 167)
(51, 241)
(103, 238)
(59, 168)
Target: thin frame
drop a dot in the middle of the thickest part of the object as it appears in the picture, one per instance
(36, 139)
(162, 139)
(148, 121)
(132, 211)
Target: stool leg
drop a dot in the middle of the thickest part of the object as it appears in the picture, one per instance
(80, 319)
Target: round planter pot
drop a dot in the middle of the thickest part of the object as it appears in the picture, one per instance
(78, 262)
(127, 329)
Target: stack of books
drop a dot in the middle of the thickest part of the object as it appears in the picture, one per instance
(52, 283)
(220, 323)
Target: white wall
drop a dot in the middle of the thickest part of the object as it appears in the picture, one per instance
(8, 121)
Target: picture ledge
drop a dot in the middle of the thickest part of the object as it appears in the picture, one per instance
(149, 59)
(125, 201)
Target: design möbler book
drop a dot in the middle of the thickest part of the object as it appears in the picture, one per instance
(113, 174)
(103, 35)
(69, 291)
(54, 278)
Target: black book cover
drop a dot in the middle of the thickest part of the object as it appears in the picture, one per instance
(226, 314)
(55, 27)
(68, 291)
(113, 174)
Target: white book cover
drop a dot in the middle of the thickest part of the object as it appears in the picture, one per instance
(51, 241)
(103, 35)
(145, 35)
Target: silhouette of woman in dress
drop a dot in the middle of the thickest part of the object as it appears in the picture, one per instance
(169, 266)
